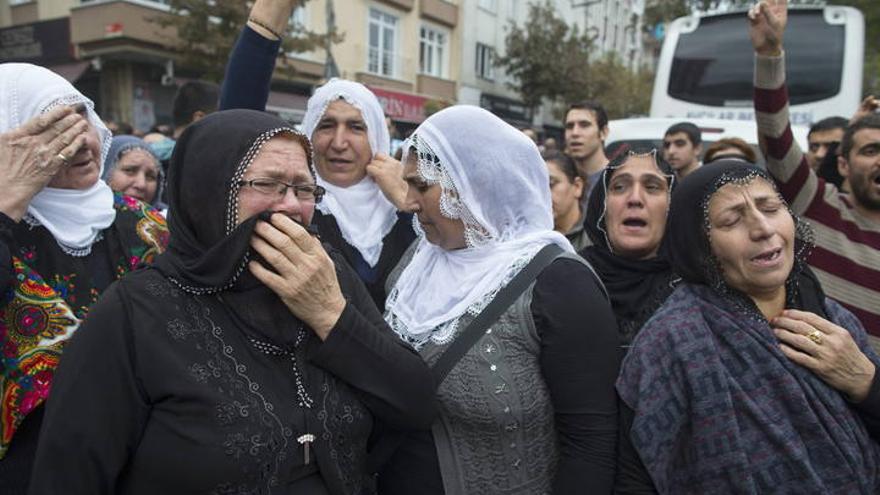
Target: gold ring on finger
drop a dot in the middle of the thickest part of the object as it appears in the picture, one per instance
(815, 336)
(63, 158)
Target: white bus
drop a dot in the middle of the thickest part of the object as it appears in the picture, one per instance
(706, 65)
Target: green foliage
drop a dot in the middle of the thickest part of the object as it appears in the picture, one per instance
(544, 56)
(549, 59)
(207, 30)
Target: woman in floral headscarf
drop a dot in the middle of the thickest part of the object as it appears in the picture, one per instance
(64, 237)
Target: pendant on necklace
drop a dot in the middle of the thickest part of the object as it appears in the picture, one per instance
(305, 441)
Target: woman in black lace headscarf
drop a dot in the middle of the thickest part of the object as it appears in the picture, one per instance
(747, 379)
(211, 373)
(626, 222)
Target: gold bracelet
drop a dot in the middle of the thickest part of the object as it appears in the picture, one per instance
(264, 26)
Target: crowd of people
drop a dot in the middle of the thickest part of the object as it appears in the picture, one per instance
(237, 305)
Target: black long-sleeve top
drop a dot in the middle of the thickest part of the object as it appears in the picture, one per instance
(579, 362)
(166, 392)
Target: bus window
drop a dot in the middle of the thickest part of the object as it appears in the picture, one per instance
(706, 66)
(714, 64)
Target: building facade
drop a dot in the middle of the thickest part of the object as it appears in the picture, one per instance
(614, 26)
(115, 53)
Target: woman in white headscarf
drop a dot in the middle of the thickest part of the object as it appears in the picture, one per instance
(530, 407)
(64, 237)
(361, 214)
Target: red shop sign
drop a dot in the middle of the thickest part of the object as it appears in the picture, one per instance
(401, 106)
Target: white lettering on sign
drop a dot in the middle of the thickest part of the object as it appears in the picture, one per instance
(797, 118)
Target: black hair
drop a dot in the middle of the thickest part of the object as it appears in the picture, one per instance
(828, 168)
(593, 106)
(564, 162)
(871, 121)
(828, 124)
(192, 97)
(692, 131)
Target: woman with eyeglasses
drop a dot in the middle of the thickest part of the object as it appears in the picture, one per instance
(248, 360)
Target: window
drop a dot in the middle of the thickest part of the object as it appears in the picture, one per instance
(382, 43)
(485, 62)
(433, 52)
(298, 18)
(713, 65)
(487, 5)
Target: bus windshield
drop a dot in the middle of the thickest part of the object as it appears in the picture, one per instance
(713, 65)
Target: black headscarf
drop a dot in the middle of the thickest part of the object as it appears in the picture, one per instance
(636, 287)
(207, 251)
(690, 253)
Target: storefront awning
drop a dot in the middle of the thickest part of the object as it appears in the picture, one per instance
(404, 107)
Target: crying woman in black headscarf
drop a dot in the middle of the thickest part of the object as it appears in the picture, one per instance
(248, 360)
(626, 222)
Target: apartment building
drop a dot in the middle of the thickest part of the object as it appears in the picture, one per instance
(114, 52)
(406, 51)
(614, 26)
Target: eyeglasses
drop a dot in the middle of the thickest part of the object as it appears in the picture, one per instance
(270, 187)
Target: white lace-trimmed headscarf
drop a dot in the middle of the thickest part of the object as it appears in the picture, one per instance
(363, 213)
(493, 179)
(74, 217)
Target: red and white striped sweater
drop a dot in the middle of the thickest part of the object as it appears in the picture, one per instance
(847, 254)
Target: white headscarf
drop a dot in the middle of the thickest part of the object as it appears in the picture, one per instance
(74, 217)
(364, 214)
(494, 180)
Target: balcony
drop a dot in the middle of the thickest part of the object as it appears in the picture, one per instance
(440, 11)
(437, 88)
(24, 13)
(304, 69)
(108, 26)
(400, 4)
(382, 82)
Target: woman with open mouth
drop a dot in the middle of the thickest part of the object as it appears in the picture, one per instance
(747, 379)
(626, 220)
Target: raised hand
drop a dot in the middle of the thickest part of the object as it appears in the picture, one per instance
(32, 154)
(767, 20)
(868, 106)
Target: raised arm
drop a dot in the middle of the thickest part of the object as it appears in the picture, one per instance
(252, 61)
(786, 162)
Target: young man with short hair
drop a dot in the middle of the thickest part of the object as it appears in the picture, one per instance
(682, 147)
(822, 135)
(586, 127)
